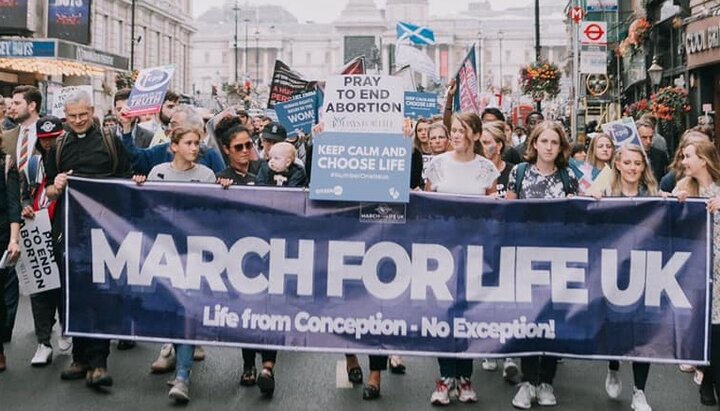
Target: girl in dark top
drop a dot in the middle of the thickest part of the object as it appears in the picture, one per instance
(9, 227)
(546, 175)
(493, 143)
(421, 154)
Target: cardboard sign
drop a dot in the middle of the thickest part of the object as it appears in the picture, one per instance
(623, 132)
(421, 105)
(37, 270)
(149, 91)
(298, 114)
(364, 104)
(58, 105)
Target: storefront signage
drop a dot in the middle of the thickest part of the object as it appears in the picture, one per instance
(88, 55)
(26, 48)
(702, 42)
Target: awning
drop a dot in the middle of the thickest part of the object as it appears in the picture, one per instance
(57, 57)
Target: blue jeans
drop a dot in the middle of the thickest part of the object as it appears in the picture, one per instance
(184, 354)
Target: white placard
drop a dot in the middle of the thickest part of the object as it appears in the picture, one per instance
(364, 104)
(593, 60)
(36, 269)
(58, 106)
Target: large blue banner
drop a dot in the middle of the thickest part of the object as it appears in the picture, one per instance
(69, 20)
(461, 276)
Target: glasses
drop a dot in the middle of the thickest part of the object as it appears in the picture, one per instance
(240, 146)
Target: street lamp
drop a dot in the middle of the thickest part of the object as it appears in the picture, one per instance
(257, 56)
(500, 39)
(655, 72)
(236, 9)
(245, 51)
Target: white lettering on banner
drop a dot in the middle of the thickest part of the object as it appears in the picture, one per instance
(521, 270)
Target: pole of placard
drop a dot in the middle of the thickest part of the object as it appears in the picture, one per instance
(538, 50)
(575, 77)
(236, 9)
(132, 35)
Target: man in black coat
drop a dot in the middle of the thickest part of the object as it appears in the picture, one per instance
(658, 159)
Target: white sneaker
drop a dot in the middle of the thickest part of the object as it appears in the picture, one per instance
(64, 344)
(613, 384)
(180, 391)
(639, 402)
(441, 395)
(545, 395)
(489, 365)
(42, 357)
(166, 361)
(466, 393)
(511, 372)
(525, 396)
(698, 377)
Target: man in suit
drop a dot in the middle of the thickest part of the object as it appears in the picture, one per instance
(19, 143)
(658, 159)
(141, 136)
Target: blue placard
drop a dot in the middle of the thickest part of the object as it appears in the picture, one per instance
(462, 276)
(421, 105)
(27, 48)
(149, 90)
(361, 167)
(298, 114)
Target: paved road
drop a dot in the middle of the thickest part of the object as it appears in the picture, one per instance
(304, 382)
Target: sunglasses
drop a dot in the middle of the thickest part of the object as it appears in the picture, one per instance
(247, 146)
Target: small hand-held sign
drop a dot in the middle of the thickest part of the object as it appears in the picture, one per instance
(149, 90)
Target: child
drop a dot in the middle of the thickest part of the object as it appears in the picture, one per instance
(280, 169)
(185, 145)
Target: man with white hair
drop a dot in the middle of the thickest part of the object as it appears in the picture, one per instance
(84, 152)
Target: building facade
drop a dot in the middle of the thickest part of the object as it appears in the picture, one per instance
(266, 33)
(95, 47)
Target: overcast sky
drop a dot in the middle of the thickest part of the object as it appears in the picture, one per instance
(324, 11)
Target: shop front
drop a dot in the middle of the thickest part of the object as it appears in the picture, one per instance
(702, 46)
(51, 63)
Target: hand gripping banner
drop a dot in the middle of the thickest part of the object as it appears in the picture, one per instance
(442, 275)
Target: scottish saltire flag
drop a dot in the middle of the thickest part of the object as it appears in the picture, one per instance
(418, 35)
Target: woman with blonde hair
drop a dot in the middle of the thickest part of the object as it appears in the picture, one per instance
(701, 164)
(493, 142)
(676, 169)
(632, 177)
(600, 153)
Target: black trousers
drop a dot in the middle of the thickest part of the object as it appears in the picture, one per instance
(538, 369)
(10, 298)
(3, 309)
(711, 373)
(641, 370)
(44, 305)
(91, 351)
(248, 355)
(377, 362)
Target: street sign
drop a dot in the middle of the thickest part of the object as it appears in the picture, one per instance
(576, 14)
(593, 59)
(593, 32)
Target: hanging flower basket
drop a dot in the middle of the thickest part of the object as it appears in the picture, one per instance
(637, 109)
(670, 104)
(126, 79)
(635, 40)
(540, 81)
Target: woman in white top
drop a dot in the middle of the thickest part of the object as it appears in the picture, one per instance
(461, 170)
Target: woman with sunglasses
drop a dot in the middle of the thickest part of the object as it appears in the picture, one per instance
(243, 163)
(238, 145)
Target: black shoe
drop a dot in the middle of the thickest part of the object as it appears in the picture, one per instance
(355, 375)
(266, 382)
(396, 366)
(707, 395)
(99, 377)
(124, 345)
(76, 371)
(371, 392)
(248, 377)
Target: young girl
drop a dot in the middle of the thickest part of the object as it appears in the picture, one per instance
(702, 178)
(632, 177)
(545, 175)
(459, 171)
(185, 145)
(600, 153)
(493, 142)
